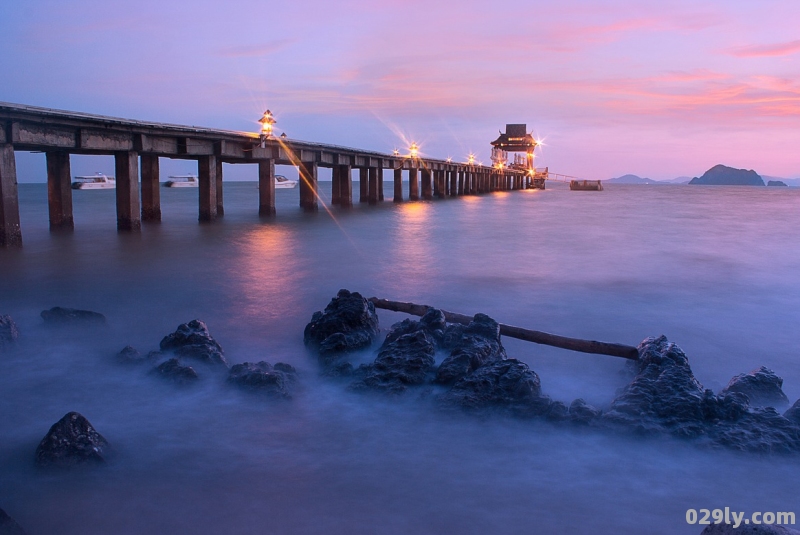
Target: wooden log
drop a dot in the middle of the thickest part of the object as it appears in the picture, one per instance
(538, 337)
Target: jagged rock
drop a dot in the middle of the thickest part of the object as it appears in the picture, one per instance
(348, 323)
(503, 384)
(173, 370)
(407, 360)
(793, 413)
(192, 340)
(721, 175)
(664, 396)
(479, 345)
(557, 411)
(8, 526)
(748, 529)
(452, 336)
(59, 315)
(131, 355)
(432, 324)
(8, 330)
(263, 377)
(582, 413)
(339, 369)
(72, 440)
(761, 386)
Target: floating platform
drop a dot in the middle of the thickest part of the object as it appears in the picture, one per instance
(585, 185)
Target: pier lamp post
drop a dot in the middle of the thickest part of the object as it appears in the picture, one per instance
(449, 159)
(414, 150)
(471, 159)
(267, 126)
(396, 152)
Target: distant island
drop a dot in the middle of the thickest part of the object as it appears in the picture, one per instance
(722, 175)
(630, 179)
(777, 183)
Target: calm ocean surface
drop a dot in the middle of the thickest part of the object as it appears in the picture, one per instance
(715, 269)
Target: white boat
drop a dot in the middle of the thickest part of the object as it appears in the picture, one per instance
(181, 181)
(283, 182)
(96, 181)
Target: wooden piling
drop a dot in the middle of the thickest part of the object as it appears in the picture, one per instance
(308, 186)
(398, 185)
(413, 184)
(151, 193)
(59, 190)
(266, 187)
(207, 176)
(126, 166)
(10, 231)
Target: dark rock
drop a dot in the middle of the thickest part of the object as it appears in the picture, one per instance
(748, 529)
(432, 324)
(721, 175)
(263, 377)
(407, 360)
(780, 183)
(503, 384)
(793, 413)
(348, 323)
(131, 355)
(479, 345)
(173, 370)
(761, 386)
(557, 411)
(758, 430)
(59, 315)
(72, 440)
(452, 336)
(8, 526)
(192, 340)
(339, 369)
(581, 412)
(8, 331)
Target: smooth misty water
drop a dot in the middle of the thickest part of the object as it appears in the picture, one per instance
(715, 269)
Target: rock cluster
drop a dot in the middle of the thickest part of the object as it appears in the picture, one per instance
(192, 340)
(72, 440)
(8, 331)
(264, 378)
(61, 316)
(349, 323)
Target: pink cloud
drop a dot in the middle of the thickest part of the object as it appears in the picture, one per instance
(757, 51)
(251, 51)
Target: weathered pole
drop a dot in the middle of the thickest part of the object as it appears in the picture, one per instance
(151, 193)
(266, 187)
(10, 231)
(59, 190)
(126, 166)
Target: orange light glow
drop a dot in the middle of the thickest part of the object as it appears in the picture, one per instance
(414, 150)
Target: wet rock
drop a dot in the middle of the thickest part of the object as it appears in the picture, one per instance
(8, 526)
(760, 430)
(557, 411)
(192, 340)
(8, 330)
(72, 440)
(432, 324)
(748, 529)
(173, 370)
(503, 384)
(478, 345)
(339, 369)
(263, 377)
(131, 355)
(452, 336)
(61, 316)
(407, 360)
(348, 323)
(793, 413)
(581, 412)
(761, 386)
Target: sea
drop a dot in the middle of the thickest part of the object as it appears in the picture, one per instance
(713, 268)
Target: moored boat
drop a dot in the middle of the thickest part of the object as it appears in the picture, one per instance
(283, 182)
(96, 181)
(181, 181)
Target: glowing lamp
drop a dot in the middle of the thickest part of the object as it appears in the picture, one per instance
(396, 152)
(267, 125)
(414, 150)
(471, 159)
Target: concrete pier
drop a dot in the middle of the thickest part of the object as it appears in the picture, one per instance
(207, 176)
(413, 184)
(266, 188)
(126, 165)
(59, 190)
(363, 184)
(427, 186)
(151, 193)
(220, 204)
(398, 185)
(345, 185)
(309, 186)
(373, 194)
(10, 233)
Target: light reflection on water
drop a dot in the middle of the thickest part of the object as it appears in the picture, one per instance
(713, 269)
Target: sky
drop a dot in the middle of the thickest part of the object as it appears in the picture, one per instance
(657, 89)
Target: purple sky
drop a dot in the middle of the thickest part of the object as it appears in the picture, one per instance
(659, 89)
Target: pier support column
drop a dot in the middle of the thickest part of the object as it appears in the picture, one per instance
(398, 185)
(413, 185)
(59, 191)
(460, 180)
(453, 183)
(10, 232)
(427, 186)
(373, 185)
(335, 185)
(126, 166)
(207, 176)
(345, 186)
(363, 184)
(220, 205)
(380, 184)
(437, 187)
(308, 186)
(266, 188)
(151, 194)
